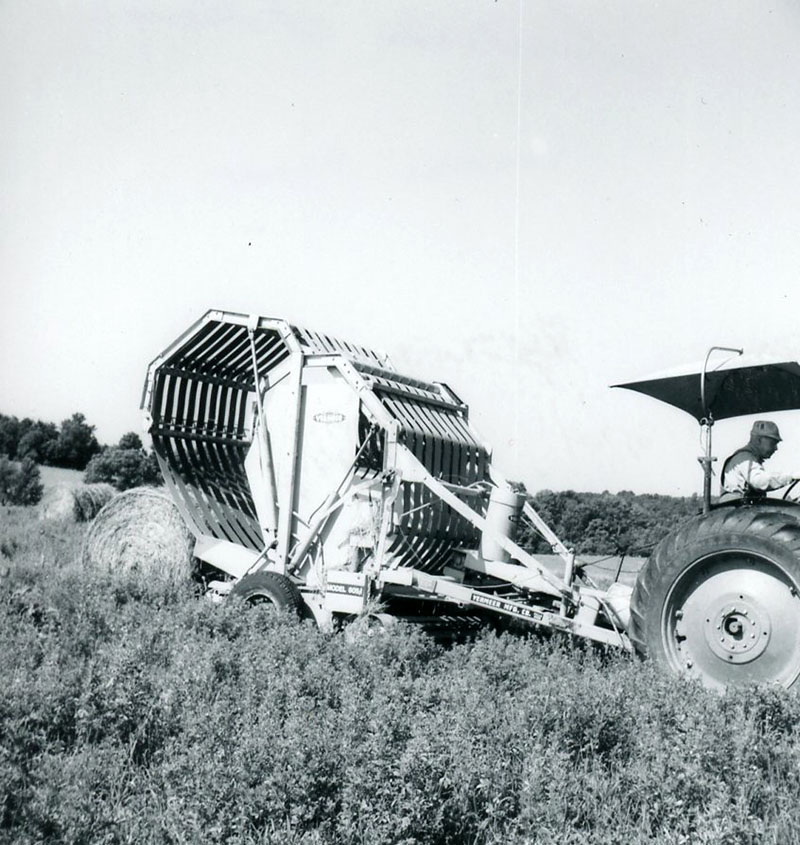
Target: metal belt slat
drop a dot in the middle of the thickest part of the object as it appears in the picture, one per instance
(412, 415)
(210, 354)
(183, 461)
(205, 339)
(271, 353)
(218, 500)
(432, 462)
(159, 391)
(241, 417)
(432, 417)
(241, 366)
(219, 336)
(235, 353)
(266, 343)
(427, 400)
(238, 344)
(191, 409)
(274, 357)
(198, 341)
(180, 406)
(465, 453)
(195, 504)
(420, 516)
(318, 342)
(447, 423)
(203, 405)
(464, 431)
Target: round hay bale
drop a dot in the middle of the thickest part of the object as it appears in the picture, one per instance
(141, 531)
(76, 504)
(89, 500)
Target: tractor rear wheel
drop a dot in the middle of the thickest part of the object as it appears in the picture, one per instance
(270, 589)
(719, 599)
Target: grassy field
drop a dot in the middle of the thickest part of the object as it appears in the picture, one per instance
(134, 713)
(60, 477)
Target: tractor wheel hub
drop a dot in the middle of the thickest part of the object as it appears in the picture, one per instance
(737, 630)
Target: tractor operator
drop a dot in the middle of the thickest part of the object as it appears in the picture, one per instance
(743, 473)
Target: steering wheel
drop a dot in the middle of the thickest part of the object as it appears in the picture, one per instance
(789, 489)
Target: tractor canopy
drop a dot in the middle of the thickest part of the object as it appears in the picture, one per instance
(735, 388)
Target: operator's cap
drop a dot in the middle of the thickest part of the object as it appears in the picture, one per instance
(765, 428)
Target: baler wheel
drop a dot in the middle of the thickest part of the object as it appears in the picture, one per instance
(271, 589)
(719, 599)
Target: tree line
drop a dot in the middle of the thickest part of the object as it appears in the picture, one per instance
(591, 523)
(27, 443)
(71, 445)
(608, 523)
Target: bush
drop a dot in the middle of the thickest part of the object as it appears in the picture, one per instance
(20, 483)
(123, 468)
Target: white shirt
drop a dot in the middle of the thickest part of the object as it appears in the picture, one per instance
(745, 470)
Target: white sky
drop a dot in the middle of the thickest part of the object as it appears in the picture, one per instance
(356, 167)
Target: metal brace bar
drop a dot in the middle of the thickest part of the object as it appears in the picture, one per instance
(479, 522)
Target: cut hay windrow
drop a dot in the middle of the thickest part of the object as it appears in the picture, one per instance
(140, 531)
(79, 504)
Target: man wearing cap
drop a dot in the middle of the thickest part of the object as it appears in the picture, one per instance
(743, 473)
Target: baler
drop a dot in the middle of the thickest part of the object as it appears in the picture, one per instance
(316, 477)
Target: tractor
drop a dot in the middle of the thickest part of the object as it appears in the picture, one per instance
(718, 598)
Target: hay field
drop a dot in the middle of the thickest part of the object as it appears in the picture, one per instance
(133, 711)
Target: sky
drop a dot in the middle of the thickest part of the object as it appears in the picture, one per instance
(527, 201)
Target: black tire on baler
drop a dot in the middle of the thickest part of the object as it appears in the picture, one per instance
(271, 589)
(719, 598)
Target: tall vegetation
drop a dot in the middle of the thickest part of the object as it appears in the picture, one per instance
(131, 712)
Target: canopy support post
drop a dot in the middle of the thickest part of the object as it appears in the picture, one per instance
(706, 461)
(706, 423)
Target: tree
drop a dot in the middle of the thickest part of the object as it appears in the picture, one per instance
(76, 443)
(9, 435)
(37, 442)
(131, 440)
(20, 483)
